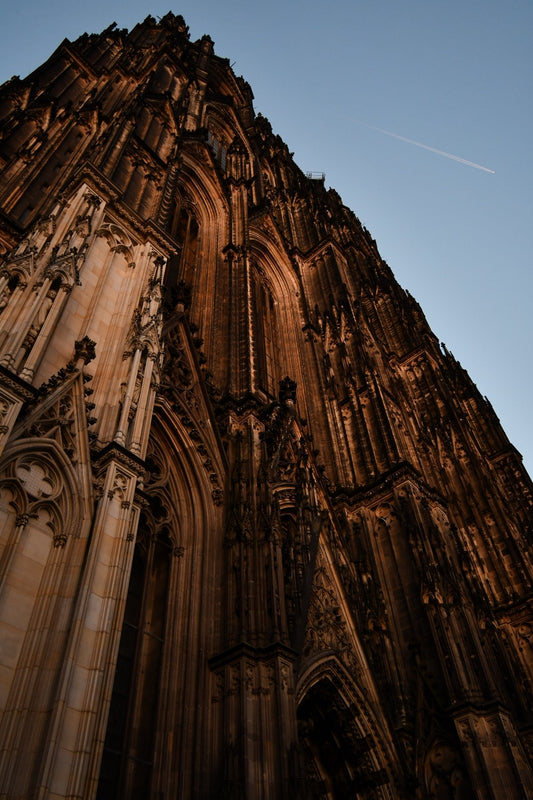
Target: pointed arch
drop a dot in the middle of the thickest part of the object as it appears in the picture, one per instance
(223, 130)
(184, 227)
(201, 224)
(43, 532)
(347, 751)
(276, 320)
(169, 607)
(56, 471)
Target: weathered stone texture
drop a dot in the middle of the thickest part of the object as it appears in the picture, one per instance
(260, 535)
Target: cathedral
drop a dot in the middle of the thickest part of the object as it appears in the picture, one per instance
(261, 537)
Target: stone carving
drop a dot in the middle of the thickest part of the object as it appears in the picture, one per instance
(444, 773)
(39, 491)
(120, 486)
(327, 629)
(5, 406)
(381, 545)
(36, 480)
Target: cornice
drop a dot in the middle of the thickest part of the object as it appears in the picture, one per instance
(346, 496)
(20, 388)
(115, 452)
(249, 651)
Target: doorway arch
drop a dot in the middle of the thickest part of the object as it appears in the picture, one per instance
(345, 752)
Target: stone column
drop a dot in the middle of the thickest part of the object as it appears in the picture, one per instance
(16, 338)
(70, 765)
(9, 551)
(139, 422)
(256, 688)
(122, 429)
(494, 755)
(44, 335)
(11, 309)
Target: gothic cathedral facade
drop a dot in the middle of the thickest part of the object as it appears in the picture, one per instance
(261, 537)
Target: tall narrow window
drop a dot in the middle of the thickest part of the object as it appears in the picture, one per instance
(267, 347)
(184, 228)
(129, 745)
(218, 149)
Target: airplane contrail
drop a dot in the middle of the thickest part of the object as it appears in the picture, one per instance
(432, 149)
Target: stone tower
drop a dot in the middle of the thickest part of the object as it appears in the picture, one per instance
(260, 536)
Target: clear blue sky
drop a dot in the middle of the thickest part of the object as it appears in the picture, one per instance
(455, 76)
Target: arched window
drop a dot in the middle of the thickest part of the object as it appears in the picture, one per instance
(218, 149)
(267, 345)
(185, 230)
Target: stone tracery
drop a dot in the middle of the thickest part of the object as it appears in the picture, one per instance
(286, 526)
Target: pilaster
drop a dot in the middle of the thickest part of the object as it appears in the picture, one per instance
(71, 762)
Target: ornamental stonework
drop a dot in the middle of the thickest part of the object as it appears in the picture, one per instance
(275, 543)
